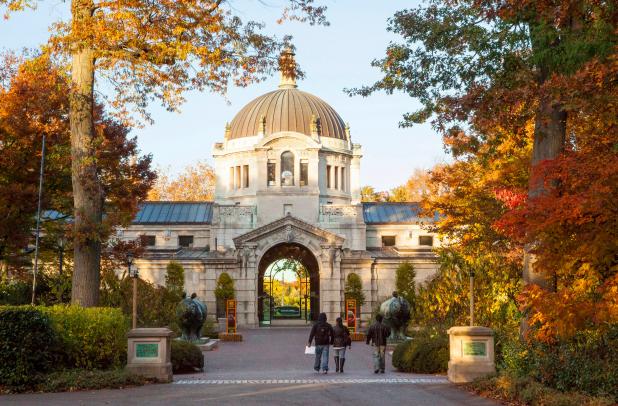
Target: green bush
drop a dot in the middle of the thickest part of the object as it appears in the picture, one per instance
(79, 379)
(90, 338)
(354, 289)
(224, 290)
(405, 283)
(426, 352)
(186, 357)
(156, 305)
(588, 362)
(509, 388)
(15, 293)
(27, 345)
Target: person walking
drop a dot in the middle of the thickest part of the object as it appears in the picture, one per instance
(377, 335)
(323, 334)
(341, 339)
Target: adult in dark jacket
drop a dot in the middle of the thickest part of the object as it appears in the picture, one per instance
(341, 339)
(323, 334)
(377, 335)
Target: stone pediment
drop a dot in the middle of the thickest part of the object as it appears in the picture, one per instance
(289, 229)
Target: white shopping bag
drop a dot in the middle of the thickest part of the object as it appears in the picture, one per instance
(309, 350)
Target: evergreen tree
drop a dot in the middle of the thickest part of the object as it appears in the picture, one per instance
(175, 278)
(404, 282)
(223, 291)
(354, 290)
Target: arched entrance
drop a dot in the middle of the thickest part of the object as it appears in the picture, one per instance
(288, 285)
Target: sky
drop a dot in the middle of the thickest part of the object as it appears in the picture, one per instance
(333, 58)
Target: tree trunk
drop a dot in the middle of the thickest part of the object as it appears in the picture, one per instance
(549, 139)
(86, 186)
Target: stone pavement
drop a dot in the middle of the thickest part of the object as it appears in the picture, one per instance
(270, 367)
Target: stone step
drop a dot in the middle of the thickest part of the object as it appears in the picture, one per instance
(210, 345)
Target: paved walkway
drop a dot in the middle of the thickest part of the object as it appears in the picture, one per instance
(270, 367)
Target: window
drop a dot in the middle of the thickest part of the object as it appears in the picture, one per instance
(245, 176)
(271, 171)
(148, 240)
(287, 208)
(304, 173)
(185, 241)
(231, 178)
(237, 182)
(426, 240)
(336, 177)
(328, 176)
(287, 169)
(343, 178)
(388, 240)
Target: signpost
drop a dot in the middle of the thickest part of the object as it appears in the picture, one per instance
(350, 314)
(146, 350)
(230, 316)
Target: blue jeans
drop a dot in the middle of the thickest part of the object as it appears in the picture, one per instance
(321, 357)
(379, 355)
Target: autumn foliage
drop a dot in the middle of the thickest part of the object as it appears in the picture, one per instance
(524, 96)
(33, 103)
(195, 183)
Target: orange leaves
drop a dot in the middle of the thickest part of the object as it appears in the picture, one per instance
(195, 183)
(584, 304)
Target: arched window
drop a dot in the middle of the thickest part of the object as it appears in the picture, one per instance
(287, 168)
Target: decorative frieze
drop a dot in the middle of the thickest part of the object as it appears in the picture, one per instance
(334, 213)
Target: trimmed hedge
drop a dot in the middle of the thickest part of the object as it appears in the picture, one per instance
(424, 353)
(186, 357)
(91, 338)
(79, 379)
(28, 344)
(67, 336)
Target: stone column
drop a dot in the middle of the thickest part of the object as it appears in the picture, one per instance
(330, 281)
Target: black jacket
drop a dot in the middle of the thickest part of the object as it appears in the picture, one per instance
(340, 336)
(378, 333)
(322, 332)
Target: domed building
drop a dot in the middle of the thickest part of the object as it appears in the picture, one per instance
(287, 205)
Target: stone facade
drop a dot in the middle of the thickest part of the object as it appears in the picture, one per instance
(297, 186)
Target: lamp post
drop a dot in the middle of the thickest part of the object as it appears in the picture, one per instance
(38, 222)
(61, 244)
(133, 273)
(471, 297)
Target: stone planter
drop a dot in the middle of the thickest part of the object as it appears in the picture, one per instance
(471, 351)
(358, 336)
(149, 353)
(230, 337)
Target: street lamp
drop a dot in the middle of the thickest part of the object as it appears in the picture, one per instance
(471, 297)
(62, 241)
(133, 273)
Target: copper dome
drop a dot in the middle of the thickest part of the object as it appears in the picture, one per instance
(287, 109)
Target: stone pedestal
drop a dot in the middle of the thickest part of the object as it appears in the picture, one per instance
(358, 336)
(235, 337)
(471, 353)
(149, 353)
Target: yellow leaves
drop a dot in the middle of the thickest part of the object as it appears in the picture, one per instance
(195, 183)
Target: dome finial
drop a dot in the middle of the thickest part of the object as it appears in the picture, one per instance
(228, 131)
(287, 69)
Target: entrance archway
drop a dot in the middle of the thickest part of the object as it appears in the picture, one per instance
(293, 268)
